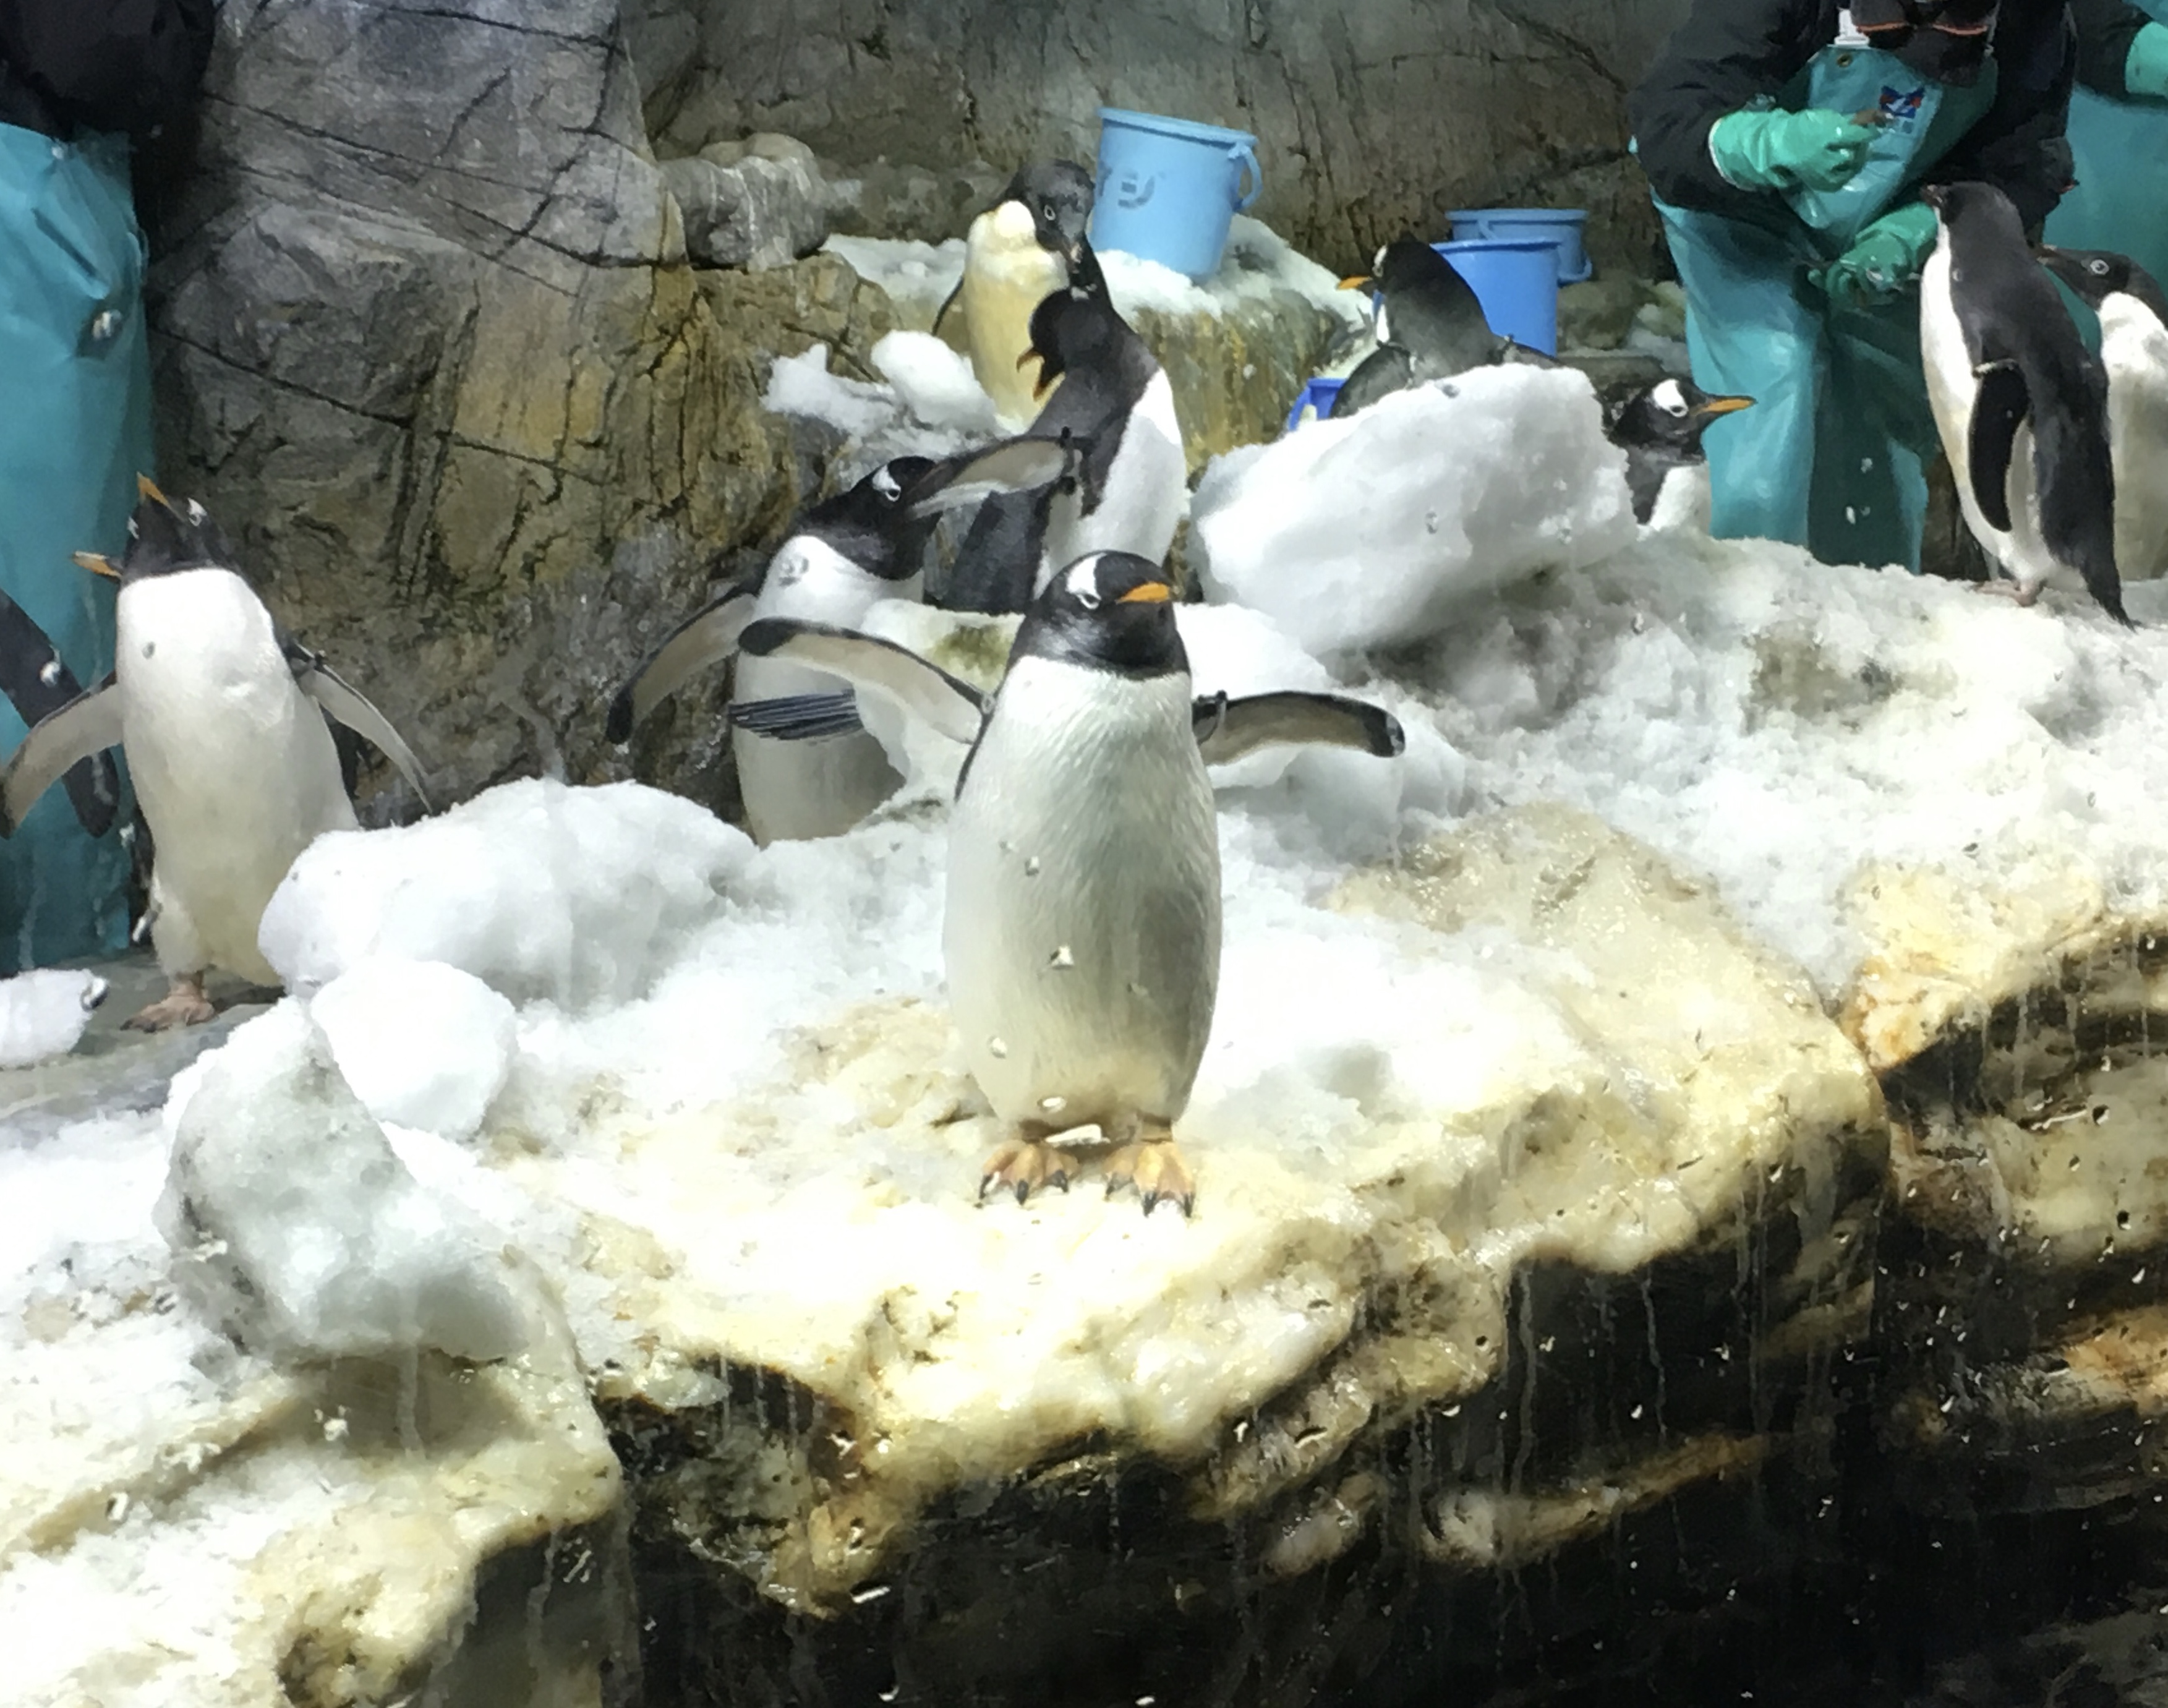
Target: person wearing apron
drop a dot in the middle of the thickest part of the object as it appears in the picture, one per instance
(2119, 135)
(1786, 143)
(77, 76)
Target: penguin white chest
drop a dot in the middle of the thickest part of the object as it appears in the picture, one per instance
(1082, 935)
(2134, 350)
(233, 765)
(1141, 501)
(1006, 274)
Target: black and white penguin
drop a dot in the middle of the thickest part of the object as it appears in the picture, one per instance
(2134, 319)
(2022, 406)
(1660, 427)
(1082, 933)
(38, 684)
(866, 543)
(1028, 245)
(1430, 325)
(222, 714)
(1115, 407)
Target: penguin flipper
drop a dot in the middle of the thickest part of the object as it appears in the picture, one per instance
(84, 728)
(948, 707)
(800, 717)
(1386, 370)
(349, 706)
(951, 303)
(710, 634)
(1011, 465)
(1997, 408)
(38, 684)
(1233, 727)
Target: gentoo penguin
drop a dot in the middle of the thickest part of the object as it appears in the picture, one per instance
(1115, 407)
(1082, 933)
(221, 716)
(862, 544)
(1660, 427)
(1028, 245)
(1430, 325)
(2021, 407)
(38, 684)
(2133, 317)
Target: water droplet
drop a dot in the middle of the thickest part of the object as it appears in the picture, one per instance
(999, 1046)
(1061, 960)
(1031, 867)
(1054, 1105)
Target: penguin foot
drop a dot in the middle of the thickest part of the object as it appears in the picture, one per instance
(1158, 1171)
(1024, 1165)
(2014, 591)
(184, 1005)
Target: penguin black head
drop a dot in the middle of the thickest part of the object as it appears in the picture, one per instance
(1405, 264)
(1111, 610)
(1075, 329)
(870, 523)
(2096, 274)
(1670, 415)
(1057, 195)
(163, 539)
(1967, 202)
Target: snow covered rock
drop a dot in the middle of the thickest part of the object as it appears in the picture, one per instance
(1374, 531)
(43, 1014)
(575, 896)
(422, 1045)
(296, 1228)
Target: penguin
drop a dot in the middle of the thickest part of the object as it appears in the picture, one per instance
(1660, 427)
(2134, 319)
(1430, 325)
(1115, 407)
(2020, 404)
(1028, 245)
(222, 714)
(38, 684)
(865, 543)
(1081, 940)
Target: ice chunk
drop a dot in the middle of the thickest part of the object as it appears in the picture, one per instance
(1372, 531)
(296, 1228)
(581, 895)
(423, 1045)
(42, 1013)
(802, 385)
(936, 383)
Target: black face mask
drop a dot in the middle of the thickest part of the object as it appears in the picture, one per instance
(1944, 40)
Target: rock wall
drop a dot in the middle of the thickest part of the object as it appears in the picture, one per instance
(1373, 118)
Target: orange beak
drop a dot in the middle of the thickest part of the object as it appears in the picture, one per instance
(147, 488)
(1726, 406)
(97, 565)
(1149, 592)
(1355, 284)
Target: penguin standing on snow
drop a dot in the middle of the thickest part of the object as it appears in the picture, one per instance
(1430, 325)
(863, 545)
(221, 714)
(1082, 933)
(2021, 407)
(1028, 245)
(1660, 427)
(1116, 409)
(2133, 317)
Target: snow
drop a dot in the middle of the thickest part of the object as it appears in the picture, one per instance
(43, 1014)
(1378, 530)
(936, 383)
(421, 1044)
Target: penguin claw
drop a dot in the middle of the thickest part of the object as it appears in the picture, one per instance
(1155, 1168)
(1025, 1165)
(184, 1005)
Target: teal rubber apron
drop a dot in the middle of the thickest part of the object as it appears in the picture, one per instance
(1832, 455)
(75, 428)
(2121, 148)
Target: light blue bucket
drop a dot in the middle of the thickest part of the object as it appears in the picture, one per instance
(1559, 225)
(1516, 279)
(1168, 189)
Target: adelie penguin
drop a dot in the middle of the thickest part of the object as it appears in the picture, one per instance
(1430, 325)
(2133, 319)
(1660, 427)
(1082, 933)
(2020, 404)
(865, 543)
(222, 714)
(1116, 409)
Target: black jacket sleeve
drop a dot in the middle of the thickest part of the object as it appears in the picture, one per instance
(1729, 51)
(2106, 29)
(105, 65)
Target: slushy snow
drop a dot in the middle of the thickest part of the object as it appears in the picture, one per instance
(43, 1014)
(422, 1045)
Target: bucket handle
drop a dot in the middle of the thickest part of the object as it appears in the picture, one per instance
(1246, 159)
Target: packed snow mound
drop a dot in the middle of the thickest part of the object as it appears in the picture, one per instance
(936, 383)
(581, 897)
(296, 1228)
(930, 416)
(422, 1045)
(1376, 530)
(42, 1013)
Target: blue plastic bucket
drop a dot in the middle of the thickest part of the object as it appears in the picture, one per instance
(1317, 397)
(1559, 225)
(1516, 279)
(1168, 189)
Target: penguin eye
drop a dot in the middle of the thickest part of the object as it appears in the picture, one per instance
(2096, 265)
(1047, 208)
(1087, 597)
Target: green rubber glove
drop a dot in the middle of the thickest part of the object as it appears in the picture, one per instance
(2145, 72)
(1776, 150)
(1882, 259)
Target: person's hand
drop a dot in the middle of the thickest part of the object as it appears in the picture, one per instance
(1882, 259)
(1816, 149)
(2145, 72)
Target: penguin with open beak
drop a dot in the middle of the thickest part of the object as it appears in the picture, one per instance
(1082, 933)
